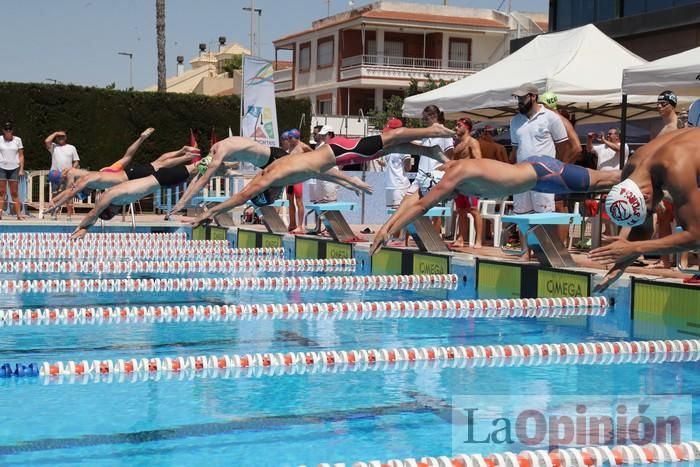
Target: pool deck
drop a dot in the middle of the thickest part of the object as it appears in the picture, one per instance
(486, 252)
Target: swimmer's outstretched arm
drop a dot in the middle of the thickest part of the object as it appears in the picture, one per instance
(273, 175)
(442, 191)
(91, 217)
(196, 185)
(73, 189)
(339, 177)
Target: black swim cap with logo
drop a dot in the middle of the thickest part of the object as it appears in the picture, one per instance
(668, 96)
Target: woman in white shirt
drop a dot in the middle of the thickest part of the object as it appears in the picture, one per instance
(11, 166)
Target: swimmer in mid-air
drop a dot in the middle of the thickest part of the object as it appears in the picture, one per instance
(80, 180)
(131, 191)
(239, 149)
(267, 186)
(488, 178)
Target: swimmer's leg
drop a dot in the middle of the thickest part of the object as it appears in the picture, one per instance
(131, 150)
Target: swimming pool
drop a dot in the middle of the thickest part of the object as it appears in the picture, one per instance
(387, 391)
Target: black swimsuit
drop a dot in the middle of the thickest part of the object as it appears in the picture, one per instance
(139, 171)
(275, 153)
(172, 176)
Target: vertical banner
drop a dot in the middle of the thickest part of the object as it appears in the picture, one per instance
(259, 120)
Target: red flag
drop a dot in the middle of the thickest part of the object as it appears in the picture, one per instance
(214, 138)
(193, 140)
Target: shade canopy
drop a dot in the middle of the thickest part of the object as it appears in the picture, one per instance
(582, 66)
(679, 73)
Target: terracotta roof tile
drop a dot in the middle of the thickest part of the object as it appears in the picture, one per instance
(403, 16)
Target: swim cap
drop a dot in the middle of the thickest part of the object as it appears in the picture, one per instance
(668, 96)
(549, 99)
(107, 214)
(294, 133)
(694, 114)
(625, 204)
(203, 165)
(284, 136)
(55, 177)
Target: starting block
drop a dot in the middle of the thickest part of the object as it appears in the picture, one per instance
(268, 214)
(331, 216)
(270, 218)
(540, 231)
(424, 233)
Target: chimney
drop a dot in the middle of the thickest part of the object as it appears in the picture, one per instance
(222, 43)
(202, 48)
(180, 65)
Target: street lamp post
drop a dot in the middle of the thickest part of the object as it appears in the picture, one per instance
(131, 67)
(254, 10)
(51, 80)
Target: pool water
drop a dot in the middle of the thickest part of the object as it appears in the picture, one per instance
(304, 418)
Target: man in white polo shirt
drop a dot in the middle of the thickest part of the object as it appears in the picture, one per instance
(535, 131)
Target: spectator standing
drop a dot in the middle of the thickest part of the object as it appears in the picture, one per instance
(11, 167)
(322, 191)
(295, 193)
(427, 176)
(535, 131)
(467, 147)
(666, 106)
(63, 157)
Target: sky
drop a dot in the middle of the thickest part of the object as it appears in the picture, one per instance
(77, 41)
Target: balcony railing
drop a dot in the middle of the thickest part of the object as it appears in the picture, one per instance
(409, 62)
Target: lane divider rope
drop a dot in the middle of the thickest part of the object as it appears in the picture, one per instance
(108, 242)
(510, 308)
(376, 366)
(472, 355)
(138, 252)
(42, 286)
(182, 266)
(111, 235)
(654, 453)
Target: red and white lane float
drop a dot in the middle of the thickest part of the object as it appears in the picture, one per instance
(583, 353)
(511, 308)
(197, 284)
(139, 252)
(182, 266)
(118, 242)
(655, 453)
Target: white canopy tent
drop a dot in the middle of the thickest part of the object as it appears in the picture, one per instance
(679, 73)
(582, 66)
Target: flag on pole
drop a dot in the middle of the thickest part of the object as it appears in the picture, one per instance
(259, 120)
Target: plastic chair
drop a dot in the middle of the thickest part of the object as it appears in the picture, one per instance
(492, 210)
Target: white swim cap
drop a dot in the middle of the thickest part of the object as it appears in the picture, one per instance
(625, 204)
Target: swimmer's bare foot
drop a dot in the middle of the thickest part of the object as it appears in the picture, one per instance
(477, 245)
(441, 130)
(147, 132)
(298, 231)
(367, 188)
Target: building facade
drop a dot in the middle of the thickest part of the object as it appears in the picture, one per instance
(349, 63)
(650, 28)
(209, 74)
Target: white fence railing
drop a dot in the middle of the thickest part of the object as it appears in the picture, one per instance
(409, 62)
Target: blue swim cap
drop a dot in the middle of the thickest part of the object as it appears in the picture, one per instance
(284, 136)
(294, 133)
(55, 176)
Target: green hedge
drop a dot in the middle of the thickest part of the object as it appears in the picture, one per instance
(102, 123)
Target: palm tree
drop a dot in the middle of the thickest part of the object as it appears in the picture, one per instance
(160, 38)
